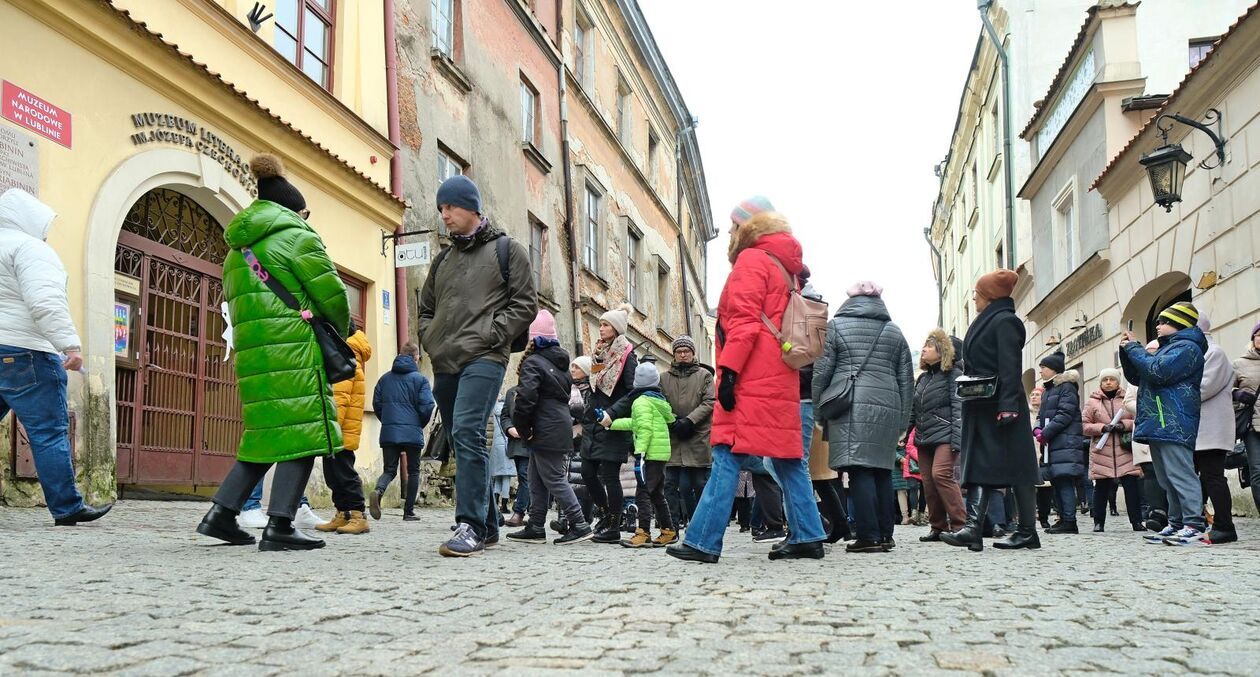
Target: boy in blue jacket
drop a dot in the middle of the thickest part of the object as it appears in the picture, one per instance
(403, 401)
(1168, 415)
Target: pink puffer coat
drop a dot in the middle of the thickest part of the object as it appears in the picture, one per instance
(1112, 461)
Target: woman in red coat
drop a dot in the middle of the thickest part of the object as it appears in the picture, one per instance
(758, 394)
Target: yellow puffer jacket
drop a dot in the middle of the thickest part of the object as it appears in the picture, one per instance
(349, 395)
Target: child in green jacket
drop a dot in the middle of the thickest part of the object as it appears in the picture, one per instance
(650, 416)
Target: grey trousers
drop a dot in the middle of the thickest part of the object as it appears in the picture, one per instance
(1174, 466)
(549, 475)
(287, 486)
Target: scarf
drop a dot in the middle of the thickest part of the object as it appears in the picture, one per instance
(465, 240)
(613, 358)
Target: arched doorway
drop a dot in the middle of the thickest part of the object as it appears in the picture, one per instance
(1144, 308)
(178, 414)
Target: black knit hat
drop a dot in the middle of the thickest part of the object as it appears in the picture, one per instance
(272, 185)
(1057, 361)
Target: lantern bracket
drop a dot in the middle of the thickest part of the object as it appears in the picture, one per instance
(1213, 117)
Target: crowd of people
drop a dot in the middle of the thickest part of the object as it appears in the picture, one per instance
(802, 435)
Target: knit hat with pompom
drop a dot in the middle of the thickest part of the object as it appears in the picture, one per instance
(272, 185)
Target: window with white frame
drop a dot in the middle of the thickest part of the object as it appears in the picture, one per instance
(582, 31)
(654, 144)
(1065, 235)
(997, 130)
(590, 245)
(442, 20)
(634, 245)
(529, 113)
(448, 166)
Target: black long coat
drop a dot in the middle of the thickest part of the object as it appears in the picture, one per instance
(609, 445)
(993, 455)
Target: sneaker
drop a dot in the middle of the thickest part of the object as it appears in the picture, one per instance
(411, 518)
(610, 535)
(1157, 538)
(770, 536)
(580, 532)
(491, 541)
(252, 519)
(530, 534)
(307, 519)
(1187, 536)
(463, 543)
(561, 526)
(1156, 521)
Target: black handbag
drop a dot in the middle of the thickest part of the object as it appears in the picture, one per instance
(838, 397)
(1243, 416)
(1237, 457)
(339, 361)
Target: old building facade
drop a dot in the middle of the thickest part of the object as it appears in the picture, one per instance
(135, 120)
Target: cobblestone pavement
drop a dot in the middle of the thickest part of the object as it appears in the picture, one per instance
(141, 593)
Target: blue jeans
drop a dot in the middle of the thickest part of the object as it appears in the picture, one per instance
(807, 436)
(1065, 491)
(466, 401)
(254, 502)
(713, 514)
(1174, 467)
(33, 386)
(521, 506)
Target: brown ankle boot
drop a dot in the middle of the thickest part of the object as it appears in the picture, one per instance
(667, 537)
(356, 524)
(337, 522)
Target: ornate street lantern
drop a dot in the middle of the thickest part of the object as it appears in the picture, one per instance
(1166, 165)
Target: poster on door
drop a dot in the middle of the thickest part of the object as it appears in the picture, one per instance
(122, 329)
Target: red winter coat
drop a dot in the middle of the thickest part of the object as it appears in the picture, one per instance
(767, 416)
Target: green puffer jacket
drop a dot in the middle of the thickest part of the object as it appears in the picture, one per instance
(286, 400)
(650, 416)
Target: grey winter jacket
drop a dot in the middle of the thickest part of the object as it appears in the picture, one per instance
(883, 396)
(1216, 414)
(937, 409)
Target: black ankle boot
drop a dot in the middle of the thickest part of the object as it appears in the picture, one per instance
(972, 534)
(799, 551)
(220, 523)
(1025, 536)
(280, 535)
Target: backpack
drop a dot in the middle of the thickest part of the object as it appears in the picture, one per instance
(803, 335)
(501, 247)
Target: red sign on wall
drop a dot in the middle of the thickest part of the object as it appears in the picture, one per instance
(39, 116)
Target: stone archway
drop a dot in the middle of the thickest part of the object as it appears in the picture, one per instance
(1155, 295)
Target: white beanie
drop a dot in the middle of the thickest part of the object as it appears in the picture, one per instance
(618, 317)
(583, 362)
(1110, 373)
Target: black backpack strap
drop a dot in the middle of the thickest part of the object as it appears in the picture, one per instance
(503, 249)
(272, 283)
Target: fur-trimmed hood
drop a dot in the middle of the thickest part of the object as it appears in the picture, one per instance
(760, 225)
(945, 346)
(1070, 376)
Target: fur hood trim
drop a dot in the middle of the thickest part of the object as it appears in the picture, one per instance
(1070, 376)
(765, 223)
(945, 346)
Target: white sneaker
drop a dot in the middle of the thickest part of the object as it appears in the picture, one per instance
(252, 519)
(307, 519)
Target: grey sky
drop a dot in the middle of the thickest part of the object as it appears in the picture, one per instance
(837, 112)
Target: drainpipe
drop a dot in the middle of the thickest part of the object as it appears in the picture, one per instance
(401, 312)
(940, 292)
(1008, 169)
(574, 257)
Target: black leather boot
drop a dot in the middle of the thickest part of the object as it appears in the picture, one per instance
(1025, 537)
(220, 523)
(279, 534)
(813, 550)
(972, 533)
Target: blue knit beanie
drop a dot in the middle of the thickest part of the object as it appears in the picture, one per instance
(459, 191)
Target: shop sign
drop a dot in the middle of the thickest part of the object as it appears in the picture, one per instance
(35, 114)
(122, 328)
(415, 254)
(180, 131)
(1086, 339)
(19, 161)
(126, 284)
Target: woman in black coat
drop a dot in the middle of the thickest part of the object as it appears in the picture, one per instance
(605, 451)
(996, 448)
(1061, 433)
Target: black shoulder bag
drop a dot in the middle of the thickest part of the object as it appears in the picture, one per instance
(838, 397)
(339, 362)
(501, 247)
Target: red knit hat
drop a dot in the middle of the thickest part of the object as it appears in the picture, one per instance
(999, 284)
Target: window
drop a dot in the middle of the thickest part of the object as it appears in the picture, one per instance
(999, 255)
(1064, 233)
(304, 35)
(654, 144)
(582, 47)
(662, 297)
(442, 20)
(623, 112)
(634, 243)
(1199, 49)
(537, 243)
(356, 292)
(529, 113)
(997, 131)
(448, 166)
(975, 188)
(590, 251)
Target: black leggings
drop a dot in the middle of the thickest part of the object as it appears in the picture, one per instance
(287, 486)
(1105, 492)
(603, 484)
(1211, 466)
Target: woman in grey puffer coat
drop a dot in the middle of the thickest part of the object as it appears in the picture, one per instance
(863, 441)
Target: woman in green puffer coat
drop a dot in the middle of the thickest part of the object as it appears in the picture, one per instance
(286, 400)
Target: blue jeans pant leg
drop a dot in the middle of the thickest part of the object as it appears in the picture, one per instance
(804, 522)
(521, 506)
(466, 401)
(33, 386)
(1065, 488)
(713, 514)
(1161, 474)
(254, 502)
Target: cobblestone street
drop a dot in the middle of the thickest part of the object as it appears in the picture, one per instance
(141, 593)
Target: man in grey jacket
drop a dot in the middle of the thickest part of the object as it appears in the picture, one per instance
(478, 298)
(38, 343)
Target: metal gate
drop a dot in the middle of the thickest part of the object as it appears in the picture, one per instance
(179, 417)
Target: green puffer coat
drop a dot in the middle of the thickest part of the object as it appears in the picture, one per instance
(650, 416)
(286, 400)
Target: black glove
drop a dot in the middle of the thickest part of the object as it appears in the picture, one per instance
(1245, 397)
(726, 390)
(683, 428)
